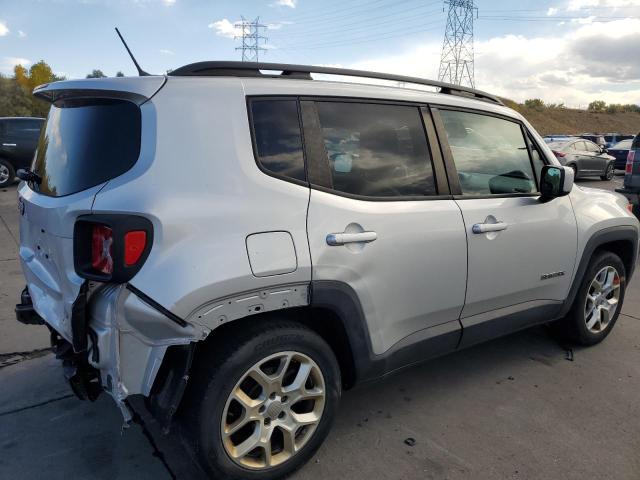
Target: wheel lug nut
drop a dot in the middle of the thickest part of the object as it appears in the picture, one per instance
(272, 396)
(284, 399)
(261, 409)
(281, 415)
(267, 421)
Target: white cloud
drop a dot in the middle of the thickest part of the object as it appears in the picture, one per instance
(169, 3)
(552, 11)
(4, 30)
(21, 34)
(225, 28)
(594, 61)
(166, 51)
(285, 3)
(583, 21)
(7, 63)
(585, 4)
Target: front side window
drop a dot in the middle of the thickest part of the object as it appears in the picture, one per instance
(277, 137)
(536, 158)
(376, 150)
(490, 154)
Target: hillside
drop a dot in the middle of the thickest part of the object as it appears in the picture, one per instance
(549, 120)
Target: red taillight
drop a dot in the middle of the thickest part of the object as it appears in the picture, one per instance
(102, 249)
(628, 168)
(134, 243)
(559, 154)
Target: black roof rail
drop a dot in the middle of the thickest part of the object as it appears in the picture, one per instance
(254, 69)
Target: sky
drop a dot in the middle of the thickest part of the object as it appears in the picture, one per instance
(563, 51)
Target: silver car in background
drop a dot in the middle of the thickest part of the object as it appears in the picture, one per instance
(585, 157)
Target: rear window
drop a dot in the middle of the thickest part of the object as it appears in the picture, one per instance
(636, 142)
(85, 143)
(623, 145)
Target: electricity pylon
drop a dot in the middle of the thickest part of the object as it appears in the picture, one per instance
(456, 62)
(250, 36)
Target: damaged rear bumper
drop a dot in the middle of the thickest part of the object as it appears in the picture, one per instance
(118, 345)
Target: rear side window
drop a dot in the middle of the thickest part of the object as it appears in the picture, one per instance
(636, 142)
(85, 143)
(277, 137)
(376, 150)
(490, 154)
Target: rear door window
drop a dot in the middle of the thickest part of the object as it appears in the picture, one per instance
(85, 143)
(376, 150)
(490, 154)
(277, 137)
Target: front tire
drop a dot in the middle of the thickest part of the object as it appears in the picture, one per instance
(7, 173)
(262, 401)
(608, 173)
(598, 302)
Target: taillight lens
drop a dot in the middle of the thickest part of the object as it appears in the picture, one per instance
(102, 249)
(134, 244)
(559, 154)
(628, 168)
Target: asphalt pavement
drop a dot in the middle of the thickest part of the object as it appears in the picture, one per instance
(520, 407)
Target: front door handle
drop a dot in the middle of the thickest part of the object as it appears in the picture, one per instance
(335, 239)
(8, 144)
(489, 227)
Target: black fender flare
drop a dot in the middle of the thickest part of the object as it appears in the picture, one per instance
(627, 233)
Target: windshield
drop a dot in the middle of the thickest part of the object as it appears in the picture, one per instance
(623, 145)
(85, 143)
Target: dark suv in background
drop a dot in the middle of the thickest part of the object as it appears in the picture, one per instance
(631, 187)
(18, 142)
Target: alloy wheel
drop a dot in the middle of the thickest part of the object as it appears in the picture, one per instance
(610, 172)
(273, 411)
(602, 299)
(4, 174)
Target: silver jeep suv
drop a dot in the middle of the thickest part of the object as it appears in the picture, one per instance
(239, 243)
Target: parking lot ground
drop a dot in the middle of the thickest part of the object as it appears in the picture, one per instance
(520, 407)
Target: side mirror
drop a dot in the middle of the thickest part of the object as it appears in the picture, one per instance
(555, 182)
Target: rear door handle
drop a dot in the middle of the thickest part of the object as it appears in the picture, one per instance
(335, 239)
(489, 227)
(8, 144)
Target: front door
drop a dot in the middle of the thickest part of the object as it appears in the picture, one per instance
(521, 251)
(377, 224)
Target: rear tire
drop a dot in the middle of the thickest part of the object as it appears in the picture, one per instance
(608, 173)
(226, 372)
(598, 301)
(7, 173)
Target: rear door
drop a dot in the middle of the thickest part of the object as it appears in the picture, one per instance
(380, 220)
(521, 251)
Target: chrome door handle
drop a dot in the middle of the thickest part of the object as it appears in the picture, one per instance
(489, 227)
(335, 239)
(8, 144)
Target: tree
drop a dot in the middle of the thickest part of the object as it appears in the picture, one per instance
(119, 74)
(534, 103)
(597, 106)
(96, 74)
(19, 89)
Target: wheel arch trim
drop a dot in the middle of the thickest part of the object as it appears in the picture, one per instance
(620, 233)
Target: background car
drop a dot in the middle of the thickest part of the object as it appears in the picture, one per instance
(18, 142)
(585, 157)
(631, 186)
(612, 139)
(595, 138)
(620, 151)
(558, 138)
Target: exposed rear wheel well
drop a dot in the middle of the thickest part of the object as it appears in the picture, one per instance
(322, 321)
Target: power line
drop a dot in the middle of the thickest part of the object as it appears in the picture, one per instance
(250, 36)
(457, 62)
